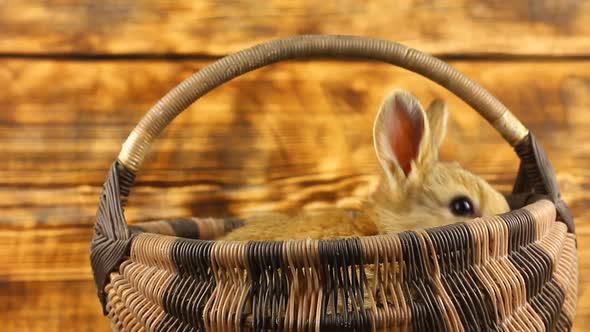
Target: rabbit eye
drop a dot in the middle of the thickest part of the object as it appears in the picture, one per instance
(462, 206)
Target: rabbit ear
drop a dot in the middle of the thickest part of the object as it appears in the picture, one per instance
(401, 134)
(438, 116)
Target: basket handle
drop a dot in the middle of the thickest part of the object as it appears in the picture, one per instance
(178, 99)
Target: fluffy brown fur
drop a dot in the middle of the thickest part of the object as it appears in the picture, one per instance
(415, 188)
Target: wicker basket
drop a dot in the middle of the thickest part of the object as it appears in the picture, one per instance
(511, 272)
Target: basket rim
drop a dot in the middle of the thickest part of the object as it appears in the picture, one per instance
(537, 201)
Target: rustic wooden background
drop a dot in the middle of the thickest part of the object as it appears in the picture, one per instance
(75, 76)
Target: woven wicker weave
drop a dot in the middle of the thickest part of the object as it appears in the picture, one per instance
(512, 272)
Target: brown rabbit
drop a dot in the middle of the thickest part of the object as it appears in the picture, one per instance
(416, 189)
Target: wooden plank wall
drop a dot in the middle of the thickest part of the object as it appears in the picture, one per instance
(75, 76)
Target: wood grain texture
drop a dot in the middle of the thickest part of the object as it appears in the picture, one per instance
(46, 282)
(66, 305)
(548, 27)
(288, 136)
(45, 255)
(278, 138)
(77, 75)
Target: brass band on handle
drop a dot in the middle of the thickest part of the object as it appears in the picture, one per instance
(178, 99)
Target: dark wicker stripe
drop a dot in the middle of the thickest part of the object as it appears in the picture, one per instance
(154, 227)
(136, 229)
(189, 228)
(522, 229)
(185, 227)
(171, 324)
(446, 251)
(471, 299)
(534, 264)
(229, 224)
(536, 175)
(548, 304)
(126, 180)
(269, 287)
(342, 274)
(565, 215)
(180, 301)
(530, 167)
(190, 290)
(193, 258)
(112, 240)
(536, 267)
(360, 322)
(463, 281)
(427, 314)
(563, 323)
(545, 262)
